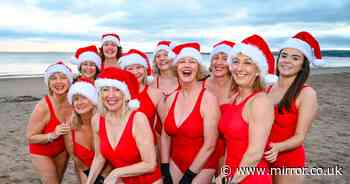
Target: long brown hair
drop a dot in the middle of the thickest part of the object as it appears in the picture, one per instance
(119, 53)
(294, 89)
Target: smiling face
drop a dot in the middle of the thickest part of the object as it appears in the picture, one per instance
(110, 50)
(187, 69)
(162, 60)
(290, 62)
(138, 70)
(58, 83)
(244, 70)
(112, 98)
(88, 69)
(82, 105)
(219, 66)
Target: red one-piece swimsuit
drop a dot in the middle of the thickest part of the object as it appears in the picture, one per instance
(284, 128)
(188, 138)
(125, 153)
(81, 152)
(55, 147)
(149, 109)
(236, 134)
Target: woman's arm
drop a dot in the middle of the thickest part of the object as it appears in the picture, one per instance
(99, 161)
(210, 112)
(144, 140)
(37, 121)
(307, 109)
(260, 116)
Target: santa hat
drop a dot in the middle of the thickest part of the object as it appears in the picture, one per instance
(190, 49)
(110, 37)
(135, 56)
(122, 80)
(85, 88)
(257, 49)
(88, 53)
(308, 45)
(58, 67)
(167, 46)
(223, 46)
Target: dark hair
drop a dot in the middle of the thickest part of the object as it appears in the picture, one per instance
(298, 83)
(95, 76)
(119, 53)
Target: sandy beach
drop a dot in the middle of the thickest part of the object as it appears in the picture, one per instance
(327, 144)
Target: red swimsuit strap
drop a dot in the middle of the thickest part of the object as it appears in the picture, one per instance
(245, 99)
(51, 109)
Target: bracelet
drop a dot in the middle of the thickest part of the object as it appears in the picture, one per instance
(51, 137)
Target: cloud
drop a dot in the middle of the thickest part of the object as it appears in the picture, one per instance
(143, 23)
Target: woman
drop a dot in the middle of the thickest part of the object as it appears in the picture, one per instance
(166, 80)
(246, 122)
(110, 50)
(47, 124)
(79, 141)
(88, 61)
(136, 62)
(189, 133)
(220, 82)
(122, 135)
(295, 105)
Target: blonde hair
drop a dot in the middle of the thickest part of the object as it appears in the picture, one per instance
(76, 118)
(50, 90)
(104, 111)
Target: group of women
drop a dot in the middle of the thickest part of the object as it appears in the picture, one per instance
(125, 121)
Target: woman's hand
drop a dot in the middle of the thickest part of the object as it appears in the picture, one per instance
(112, 178)
(272, 154)
(62, 129)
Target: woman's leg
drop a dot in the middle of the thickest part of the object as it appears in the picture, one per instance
(61, 161)
(204, 177)
(175, 172)
(288, 179)
(46, 168)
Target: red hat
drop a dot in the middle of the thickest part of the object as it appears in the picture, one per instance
(58, 67)
(85, 87)
(135, 56)
(110, 37)
(88, 53)
(258, 50)
(167, 46)
(308, 45)
(122, 80)
(190, 49)
(223, 46)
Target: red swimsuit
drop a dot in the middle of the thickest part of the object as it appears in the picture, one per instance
(84, 154)
(57, 146)
(187, 140)
(147, 106)
(125, 153)
(236, 133)
(149, 109)
(283, 129)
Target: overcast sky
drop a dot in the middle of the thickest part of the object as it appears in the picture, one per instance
(64, 25)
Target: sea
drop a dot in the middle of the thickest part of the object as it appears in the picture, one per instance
(33, 64)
